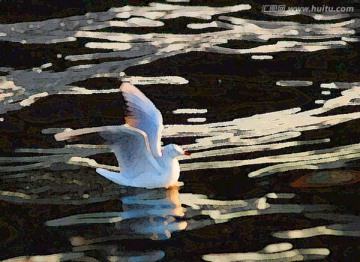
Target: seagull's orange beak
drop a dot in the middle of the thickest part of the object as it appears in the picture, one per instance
(186, 153)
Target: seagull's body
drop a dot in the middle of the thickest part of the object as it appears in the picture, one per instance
(137, 146)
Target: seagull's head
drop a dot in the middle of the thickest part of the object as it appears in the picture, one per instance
(173, 151)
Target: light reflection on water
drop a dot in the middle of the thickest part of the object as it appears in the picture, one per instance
(20, 88)
(150, 214)
(279, 255)
(157, 215)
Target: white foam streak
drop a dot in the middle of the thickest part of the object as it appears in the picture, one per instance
(178, 1)
(160, 80)
(333, 230)
(136, 22)
(261, 57)
(112, 46)
(213, 24)
(340, 85)
(262, 255)
(190, 111)
(85, 91)
(33, 98)
(88, 162)
(279, 247)
(196, 120)
(293, 83)
(47, 258)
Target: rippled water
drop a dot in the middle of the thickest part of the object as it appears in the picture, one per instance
(266, 102)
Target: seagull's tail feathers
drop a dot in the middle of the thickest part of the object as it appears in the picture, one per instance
(115, 177)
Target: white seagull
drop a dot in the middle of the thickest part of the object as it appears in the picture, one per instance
(137, 146)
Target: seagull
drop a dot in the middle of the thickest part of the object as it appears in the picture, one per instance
(137, 146)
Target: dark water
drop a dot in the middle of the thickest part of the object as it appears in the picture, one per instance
(268, 104)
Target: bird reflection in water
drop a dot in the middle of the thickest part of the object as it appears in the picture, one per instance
(147, 214)
(153, 213)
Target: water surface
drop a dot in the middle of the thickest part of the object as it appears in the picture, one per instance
(267, 104)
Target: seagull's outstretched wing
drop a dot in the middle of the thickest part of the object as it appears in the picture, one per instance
(143, 114)
(131, 149)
